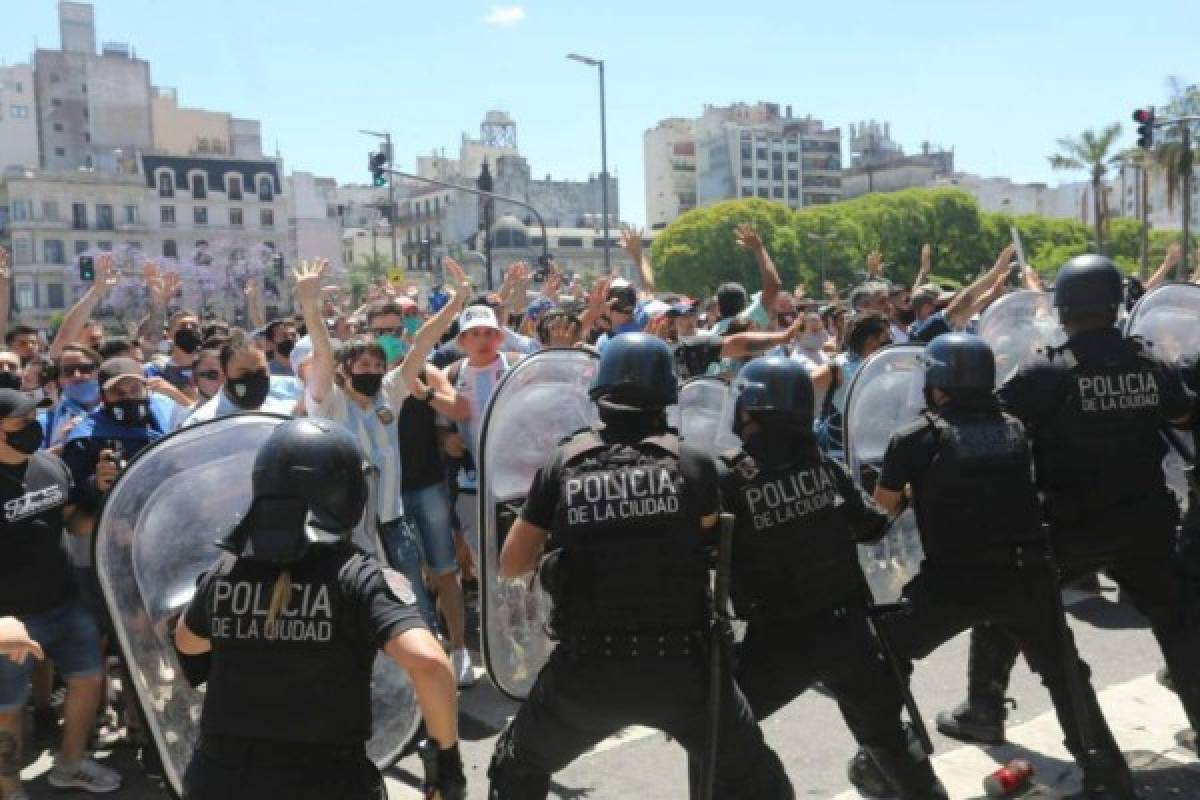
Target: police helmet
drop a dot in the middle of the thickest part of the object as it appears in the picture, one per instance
(959, 361)
(1086, 284)
(309, 487)
(775, 390)
(637, 371)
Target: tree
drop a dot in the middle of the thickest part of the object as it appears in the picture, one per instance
(1091, 152)
(369, 268)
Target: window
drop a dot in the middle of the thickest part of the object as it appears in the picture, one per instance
(58, 127)
(87, 137)
(265, 192)
(235, 218)
(170, 249)
(234, 187)
(570, 241)
(18, 112)
(792, 157)
(747, 151)
(54, 295)
(202, 145)
(762, 192)
(21, 210)
(131, 215)
(762, 173)
(52, 252)
(166, 185)
(104, 247)
(777, 172)
(793, 174)
(166, 215)
(22, 251)
(266, 218)
(25, 295)
(54, 77)
(747, 171)
(200, 215)
(777, 192)
(776, 156)
(761, 154)
(104, 217)
(50, 210)
(81, 247)
(60, 152)
(747, 191)
(56, 102)
(793, 193)
(199, 187)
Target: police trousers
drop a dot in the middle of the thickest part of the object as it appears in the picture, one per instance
(233, 768)
(1134, 545)
(1016, 597)
(778, 660)
(578, 701)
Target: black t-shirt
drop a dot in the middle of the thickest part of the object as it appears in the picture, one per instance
(307, 677)
(694, 355)
(35, 575)
(909, 452)
(420, 455)
(698, 470)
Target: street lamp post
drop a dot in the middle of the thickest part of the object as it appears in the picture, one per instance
(824, 239)
(599, 64)
(485, 185)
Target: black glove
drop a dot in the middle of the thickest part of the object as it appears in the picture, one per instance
(444, 776)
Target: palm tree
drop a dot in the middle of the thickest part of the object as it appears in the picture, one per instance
(1091, 152)
(1168, 154)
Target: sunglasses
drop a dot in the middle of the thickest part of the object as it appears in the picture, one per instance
(77, 369)
(386, 331)
(209, 375)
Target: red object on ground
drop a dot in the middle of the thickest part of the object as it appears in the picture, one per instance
(1011, 778)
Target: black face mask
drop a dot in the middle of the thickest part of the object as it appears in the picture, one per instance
(188, 340)
(285, 347)
(27, 440)
(249, 392)
(367, 383)
(132, 411)
(10, 380)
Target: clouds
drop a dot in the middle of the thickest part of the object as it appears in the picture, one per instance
(504, 16)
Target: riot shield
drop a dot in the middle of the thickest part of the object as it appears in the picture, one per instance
(1017, 326)
(1168, 318)
(704, 416)
(155, 536)
(537, 403)
(885, 393)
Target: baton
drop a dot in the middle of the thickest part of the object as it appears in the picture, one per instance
(716, 654)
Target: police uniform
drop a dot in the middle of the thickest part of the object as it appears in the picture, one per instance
(797, 581)
(624, 502)
(288, 705)
(287, 710)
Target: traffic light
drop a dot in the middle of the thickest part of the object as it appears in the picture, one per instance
(87, 269)
(1144, 117)
(277, 266)
(377, 162)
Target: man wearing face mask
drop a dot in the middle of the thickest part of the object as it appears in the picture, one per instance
(79, 392)
(393, 325)
(247, 387)
(183, 332)
(38, 589)
(128, 418)
(281, 333)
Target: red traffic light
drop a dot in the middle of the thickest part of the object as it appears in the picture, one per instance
(1143, 115)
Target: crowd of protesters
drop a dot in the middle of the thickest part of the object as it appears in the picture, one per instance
(410, 377)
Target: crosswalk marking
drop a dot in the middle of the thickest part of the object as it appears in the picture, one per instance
(1143, 716)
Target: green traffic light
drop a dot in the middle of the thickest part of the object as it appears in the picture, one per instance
(379, 180)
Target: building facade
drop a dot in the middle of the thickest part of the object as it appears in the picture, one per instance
(18, 117)
(669, 151)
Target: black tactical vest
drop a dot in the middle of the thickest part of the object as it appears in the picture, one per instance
(1103, 447)
(306, 677)
(793, 554)
(978, 492)
(632, 557)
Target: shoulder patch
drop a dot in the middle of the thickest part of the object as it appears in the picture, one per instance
(398, 586)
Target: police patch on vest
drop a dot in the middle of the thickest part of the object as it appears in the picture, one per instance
(1130, 391)
(399, 587)
(790, 497)
(241, 611)
(626, 493)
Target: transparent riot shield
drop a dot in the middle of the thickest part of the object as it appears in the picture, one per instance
(1017, 326)
(539, 402)
(1168, 319)
(885, 393)
(704, 416)
(155, 536)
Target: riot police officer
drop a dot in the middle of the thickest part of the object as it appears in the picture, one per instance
(1093, 409)
(285, 626)
(625, 508)
(796, 578)
(987, 558)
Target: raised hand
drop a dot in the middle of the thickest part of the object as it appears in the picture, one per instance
(460, 284)
(1173, 256)
(631, 243)
(307, 277)
(875, 263)
(926, 257)
(747, 237)
(4, 272)
(171, 284)
(106, 273)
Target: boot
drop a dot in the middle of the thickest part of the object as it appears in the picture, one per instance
(981, 718)
(911, 778)
(865, 776)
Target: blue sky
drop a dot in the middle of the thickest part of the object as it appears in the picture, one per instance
(998, 80)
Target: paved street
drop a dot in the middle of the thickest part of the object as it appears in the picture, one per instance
(814, 742)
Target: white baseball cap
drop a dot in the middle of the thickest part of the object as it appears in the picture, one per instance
(477, 317)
